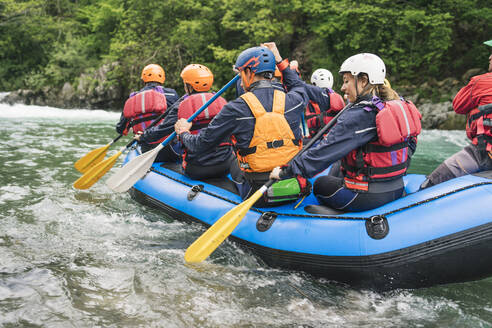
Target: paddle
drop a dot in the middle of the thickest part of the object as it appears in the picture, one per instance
(135, 169)
(94, 173)
(97, 171)
(222, 228)
(93, 157)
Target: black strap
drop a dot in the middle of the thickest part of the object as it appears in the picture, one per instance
(384, 170)
(487, 110)
(246, 151)
(143, 119)
(370, 171)
(198, 126)
(373, 148)
(482, 141)
(329, 114)
(271, 144)
(485, 107)
(487, 122)
(308, 117)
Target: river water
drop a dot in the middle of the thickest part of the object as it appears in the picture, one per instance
(94, 258)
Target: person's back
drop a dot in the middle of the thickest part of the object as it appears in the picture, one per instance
(324, 103)
(214, 162)
(371, 138)
(239, 117)
(475, 101)
(144, 106)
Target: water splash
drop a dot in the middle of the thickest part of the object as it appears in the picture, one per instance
(95, 258)
(44, 112)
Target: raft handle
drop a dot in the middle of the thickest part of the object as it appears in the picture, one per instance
(377, 227)
(265, 221)
(195, 190)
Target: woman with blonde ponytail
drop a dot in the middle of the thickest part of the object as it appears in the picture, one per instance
(374, 140)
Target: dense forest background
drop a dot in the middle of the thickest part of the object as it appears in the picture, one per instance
(48, 43)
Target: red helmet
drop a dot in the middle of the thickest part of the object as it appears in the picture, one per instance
(198, 76)
(153, 73)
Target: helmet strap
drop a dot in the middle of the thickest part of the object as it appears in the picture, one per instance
(356, 89)
(189, 89)
(247, 82)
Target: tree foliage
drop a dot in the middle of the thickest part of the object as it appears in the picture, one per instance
(54, 41)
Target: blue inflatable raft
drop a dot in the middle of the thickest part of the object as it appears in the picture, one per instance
(440, 235)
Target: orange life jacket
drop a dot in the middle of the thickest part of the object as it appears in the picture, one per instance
(143, 107)
(388, 157)
(273, 143)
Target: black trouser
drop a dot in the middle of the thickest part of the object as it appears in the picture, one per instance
(201, 172)
(166, 154)
(330, 190)
(248, 183)
(469, 160)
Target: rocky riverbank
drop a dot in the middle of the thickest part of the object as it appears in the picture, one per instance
(434, 100)
(95, 91)
(92, 91)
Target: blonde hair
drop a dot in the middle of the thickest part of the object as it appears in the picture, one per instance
(384, 92)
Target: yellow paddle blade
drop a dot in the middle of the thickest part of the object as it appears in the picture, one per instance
(91, 159)
(96, 172)
(220, 230)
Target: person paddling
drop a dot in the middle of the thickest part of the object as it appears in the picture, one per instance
(324, 103)
(374, 153)
(475, 101)
(264, 122)
(197, 82)
(142, 107)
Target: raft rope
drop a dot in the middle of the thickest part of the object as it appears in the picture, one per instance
(319, 216)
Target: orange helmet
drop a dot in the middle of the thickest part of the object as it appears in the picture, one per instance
(198, 76)
(153, 73)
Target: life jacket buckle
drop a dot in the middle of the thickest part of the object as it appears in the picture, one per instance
(277, 143)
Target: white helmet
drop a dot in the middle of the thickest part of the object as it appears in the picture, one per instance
(322, 78)
(367, 63)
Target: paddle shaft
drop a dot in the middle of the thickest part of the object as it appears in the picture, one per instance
(137, 167)
(315, 138)
(116, 139)
(222, 228)
(163, 115)
(201, 109)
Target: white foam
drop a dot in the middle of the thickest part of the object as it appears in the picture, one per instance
(30, 111)
(3, 95)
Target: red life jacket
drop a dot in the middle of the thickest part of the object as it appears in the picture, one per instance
(316, 119)
(143, 107)
(479, 127)
(475, 100)
(386, 158)
(191, 104)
